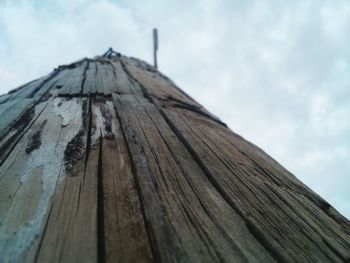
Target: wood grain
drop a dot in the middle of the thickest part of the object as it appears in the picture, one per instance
(107, 160)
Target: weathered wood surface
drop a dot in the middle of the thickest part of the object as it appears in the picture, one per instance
(107, 160)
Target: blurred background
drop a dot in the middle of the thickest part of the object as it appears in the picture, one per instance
(277, 72)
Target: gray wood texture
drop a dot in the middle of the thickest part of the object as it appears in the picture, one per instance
(107, 160)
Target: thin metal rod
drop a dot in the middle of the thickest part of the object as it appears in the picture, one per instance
(155, 46)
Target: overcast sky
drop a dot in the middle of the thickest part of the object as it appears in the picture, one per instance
(277, 72)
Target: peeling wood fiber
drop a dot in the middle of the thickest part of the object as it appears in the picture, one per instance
(107, 160)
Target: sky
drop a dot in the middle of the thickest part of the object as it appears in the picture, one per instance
(277, 72)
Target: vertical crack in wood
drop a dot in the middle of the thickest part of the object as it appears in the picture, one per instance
(149, 231)
(38, 250)
(96, 69)
(87, 123)
(84, 76)
(101, 247)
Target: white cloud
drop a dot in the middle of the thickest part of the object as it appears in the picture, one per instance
(276, 72)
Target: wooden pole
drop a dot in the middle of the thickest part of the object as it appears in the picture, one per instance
(105, 161)
(155, 46)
